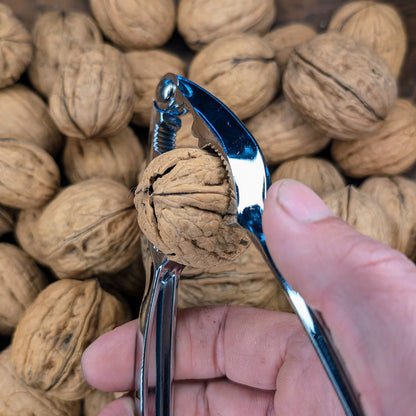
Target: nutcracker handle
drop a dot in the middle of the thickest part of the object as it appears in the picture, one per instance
(155, 338)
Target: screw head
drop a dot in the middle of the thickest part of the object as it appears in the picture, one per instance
(165, 92)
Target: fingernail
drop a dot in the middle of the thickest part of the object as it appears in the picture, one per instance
(301, 202)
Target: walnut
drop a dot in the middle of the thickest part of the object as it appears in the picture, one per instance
(17, 398)
(147, 68)
(89, 228)
(246, 281)
(285, 38)
(240, 70)
(93, 95)
(185, 207)
(201, 22)
(319, 174)
(389, 151)
(7, 220)
(95, 401)
(54, 331)
(16, 47)
(282, 133)
(117, 157)
(25, 116)
(26, 232)
(55, 35)
(29, 176)
(378, 25)
(135, 24)
(362, 212)
(339, 85)
(397, 195)
(20, 280)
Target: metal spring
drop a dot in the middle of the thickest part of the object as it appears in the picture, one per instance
(164, 132)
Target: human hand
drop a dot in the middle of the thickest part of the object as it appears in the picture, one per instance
(233, 360)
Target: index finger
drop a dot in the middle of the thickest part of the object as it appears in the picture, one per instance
(246, 345)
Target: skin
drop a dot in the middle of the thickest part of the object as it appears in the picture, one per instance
(245, 361)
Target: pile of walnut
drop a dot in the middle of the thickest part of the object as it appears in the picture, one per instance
(76, 197)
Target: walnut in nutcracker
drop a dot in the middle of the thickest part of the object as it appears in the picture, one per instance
(282, 133)
(362, 212)
(25, 116)
(246, 281)
(185, 206)
(55, 35)
(240, 70)
(17, 398)
(379, 25)
(117, 157)
(391, 150)
(16, 48)
(397, 195)
(285, 38)
(201, 22)
(148, 67)
(319, 174)
(93, 95)
(341, 86)
(56, 328)
(135, 24)
(29, 176)
(21, 281)
(89, 228)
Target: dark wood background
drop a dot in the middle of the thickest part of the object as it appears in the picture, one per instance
(315, 12)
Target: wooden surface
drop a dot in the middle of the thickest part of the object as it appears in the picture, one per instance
(316, 12)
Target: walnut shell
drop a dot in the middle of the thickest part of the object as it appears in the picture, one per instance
(20, 281)
(246, 281)
(7, 220)
(201, 22)
(117, 157)
(339, 85)
(282, 133)
(25, 116)
(89, 228)
(26, 232)
(16, 47)
(397, 195)
(135, 24)
(319, 174)
(55, 35)
(94, 94)
(55, 330)
(147, 68)
(185, 206)
(95, 401)
(285, 38)
(389, 151)
(17, 398)
(378, 25)
(29, 176)
(362, 212)
(240, 70)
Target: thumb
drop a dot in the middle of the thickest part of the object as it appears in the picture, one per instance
(319, 254)
(363, 288)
